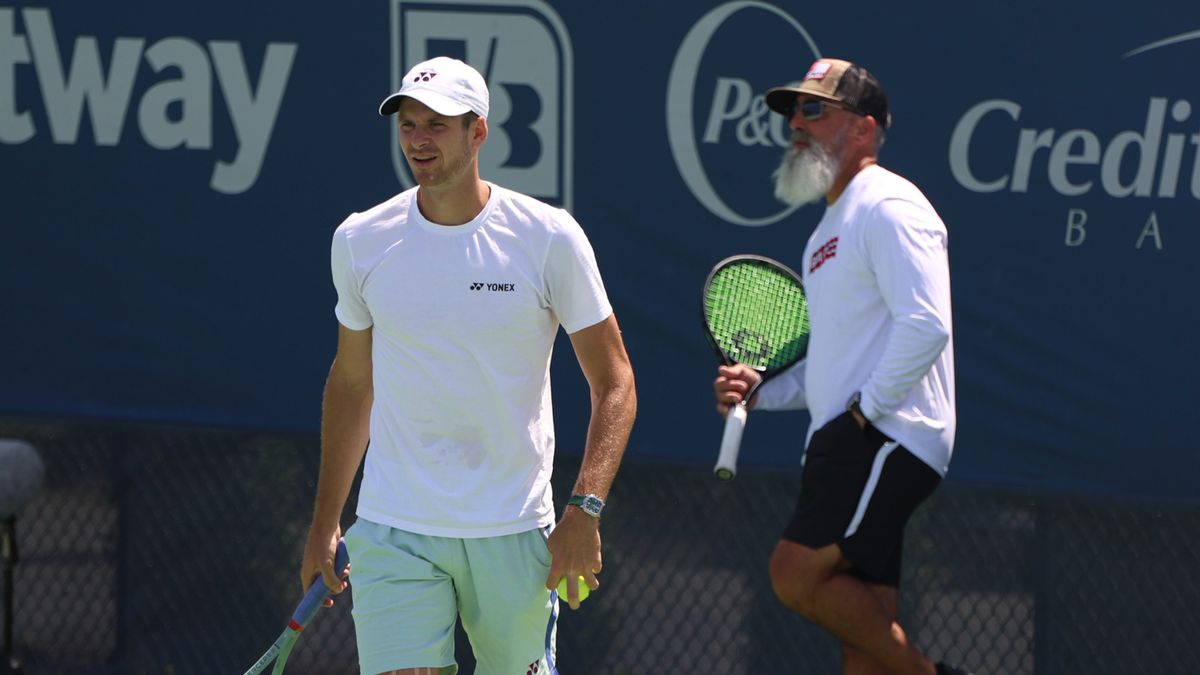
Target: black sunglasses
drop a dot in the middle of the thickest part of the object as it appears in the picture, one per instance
(814, 109)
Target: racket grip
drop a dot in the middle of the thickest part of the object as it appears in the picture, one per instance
(731, 443)
(315, 596)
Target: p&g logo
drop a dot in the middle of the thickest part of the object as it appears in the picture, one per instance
(735, 116)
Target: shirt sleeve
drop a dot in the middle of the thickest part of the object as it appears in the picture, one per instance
(906, 245)
(785, 391)
(351, 309)
(573, 284)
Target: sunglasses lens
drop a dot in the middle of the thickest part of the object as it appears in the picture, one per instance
(811, 110)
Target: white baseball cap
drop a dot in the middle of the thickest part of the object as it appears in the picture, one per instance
(448, 86)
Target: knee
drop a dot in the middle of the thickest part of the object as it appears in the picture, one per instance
(792, 577)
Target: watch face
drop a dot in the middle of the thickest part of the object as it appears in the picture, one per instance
(590, 504)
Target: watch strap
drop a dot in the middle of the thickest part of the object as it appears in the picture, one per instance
(589, 504)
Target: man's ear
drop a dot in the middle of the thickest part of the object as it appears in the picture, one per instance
(480, 133)
(866, 127)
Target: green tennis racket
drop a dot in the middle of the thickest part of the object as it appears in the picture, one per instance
(755, 314)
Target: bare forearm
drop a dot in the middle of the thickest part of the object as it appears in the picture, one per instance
(613, 412)
(345, 431)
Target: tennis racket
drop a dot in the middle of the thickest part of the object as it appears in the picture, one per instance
(755, 314)
(313, 600)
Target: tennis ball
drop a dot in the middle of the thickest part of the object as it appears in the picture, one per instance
(584, 591)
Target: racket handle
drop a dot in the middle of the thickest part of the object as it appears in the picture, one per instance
(314, 598)
(731, 443)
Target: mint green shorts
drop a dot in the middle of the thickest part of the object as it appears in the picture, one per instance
(408, 590)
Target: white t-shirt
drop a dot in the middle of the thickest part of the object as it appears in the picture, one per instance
(878, 282)
(464, 319)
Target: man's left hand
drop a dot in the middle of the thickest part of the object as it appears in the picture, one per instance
(574, 551)
(858, 417)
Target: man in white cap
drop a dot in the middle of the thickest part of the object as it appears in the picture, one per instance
(450, 295)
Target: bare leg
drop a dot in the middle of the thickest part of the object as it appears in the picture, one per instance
(855, 662)
(812, 583)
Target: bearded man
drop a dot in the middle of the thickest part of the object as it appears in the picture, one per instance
(879, 377)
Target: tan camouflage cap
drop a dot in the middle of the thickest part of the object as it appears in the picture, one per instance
(835, 80)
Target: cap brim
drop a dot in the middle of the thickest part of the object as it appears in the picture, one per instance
(780, 99)
(442, 105)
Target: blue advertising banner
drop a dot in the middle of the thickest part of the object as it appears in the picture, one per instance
(172, 175)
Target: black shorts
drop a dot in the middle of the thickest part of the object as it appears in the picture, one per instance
(857, 490)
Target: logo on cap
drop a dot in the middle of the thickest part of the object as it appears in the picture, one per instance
(818, 71)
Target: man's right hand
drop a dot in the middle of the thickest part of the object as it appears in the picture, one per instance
(319, 553)
(731, 386)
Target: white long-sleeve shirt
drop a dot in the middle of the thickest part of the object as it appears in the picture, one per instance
(878, 282)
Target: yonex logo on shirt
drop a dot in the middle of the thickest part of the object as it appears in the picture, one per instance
(827, 251)
(501, 288)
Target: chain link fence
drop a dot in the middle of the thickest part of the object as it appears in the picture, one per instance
(174, 551)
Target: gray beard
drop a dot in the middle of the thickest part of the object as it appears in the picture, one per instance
(805, 175)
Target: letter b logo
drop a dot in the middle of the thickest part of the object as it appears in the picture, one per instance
(523, 50)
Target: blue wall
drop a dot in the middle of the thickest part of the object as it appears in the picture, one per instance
(172, 176)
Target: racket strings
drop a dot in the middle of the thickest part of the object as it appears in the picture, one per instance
(757, 315)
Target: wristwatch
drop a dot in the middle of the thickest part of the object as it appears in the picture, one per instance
(590, 504)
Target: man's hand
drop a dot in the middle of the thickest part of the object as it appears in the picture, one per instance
(574, 552)
(732, 384)
(319, 553)
(858, 417)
